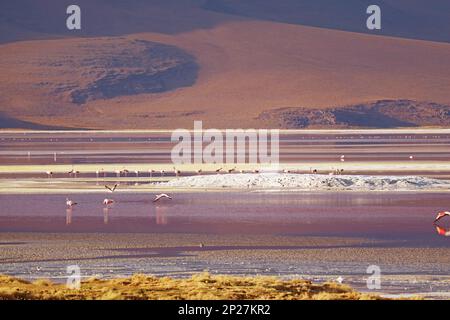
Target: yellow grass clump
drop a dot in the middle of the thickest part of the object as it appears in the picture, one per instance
(201, 286)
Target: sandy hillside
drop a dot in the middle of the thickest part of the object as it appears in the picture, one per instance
(225, 69)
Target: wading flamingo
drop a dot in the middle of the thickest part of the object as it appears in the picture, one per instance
(70, 203)
(107, 201)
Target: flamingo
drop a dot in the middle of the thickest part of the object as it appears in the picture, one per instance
(113, 188)
(160, 196)
(70, 203)
(107, 201)
(73, 173)
(136, 172)
(177, 172)
(440, 215)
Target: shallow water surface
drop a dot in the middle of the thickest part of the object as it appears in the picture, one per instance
(406, 218)
(313, 235)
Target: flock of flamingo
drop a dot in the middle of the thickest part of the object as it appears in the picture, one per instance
(108, 201)
(177, 172)
(151, 172)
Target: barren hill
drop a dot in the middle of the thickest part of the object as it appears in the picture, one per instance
(187, 61)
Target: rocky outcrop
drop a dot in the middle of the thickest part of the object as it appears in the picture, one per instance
(143, 67)
(378, 114)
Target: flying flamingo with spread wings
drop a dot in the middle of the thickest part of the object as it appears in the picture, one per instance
(441, 215)
(113, 188)
(161, 196)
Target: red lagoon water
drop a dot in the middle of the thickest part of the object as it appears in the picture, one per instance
(405, 218)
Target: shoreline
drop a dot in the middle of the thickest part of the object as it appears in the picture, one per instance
(436, 129)
(120, 255)
(234, 182)
(325, 166)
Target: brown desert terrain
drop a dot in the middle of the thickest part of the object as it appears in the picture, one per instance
(230, 70)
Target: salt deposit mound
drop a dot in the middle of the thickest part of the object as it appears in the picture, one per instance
(277, 181)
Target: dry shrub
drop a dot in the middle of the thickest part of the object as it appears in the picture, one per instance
(199, 286)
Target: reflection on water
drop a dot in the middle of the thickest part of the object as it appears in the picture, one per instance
(161, 214)
(445, 232)
(105, 215)
(405, 216)
(68, 216)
